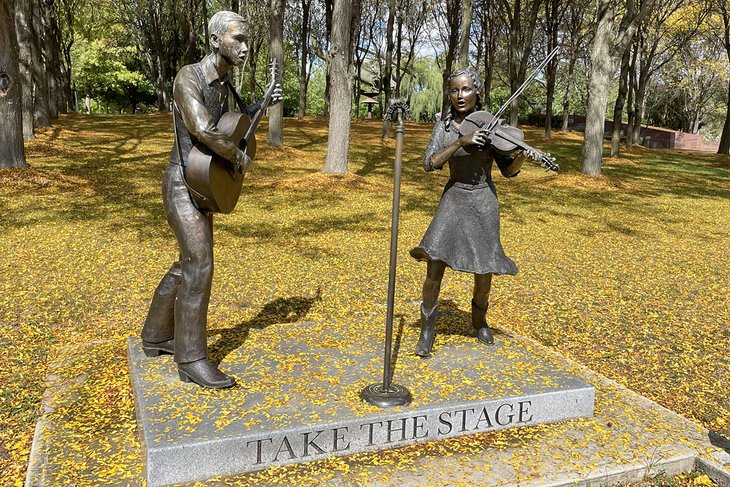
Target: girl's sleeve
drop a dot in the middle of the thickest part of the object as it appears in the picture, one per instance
(435, 144)
(504, 161)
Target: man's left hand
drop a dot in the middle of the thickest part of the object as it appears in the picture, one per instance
(277, 96)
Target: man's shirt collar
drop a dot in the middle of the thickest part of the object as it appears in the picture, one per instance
(209, 71)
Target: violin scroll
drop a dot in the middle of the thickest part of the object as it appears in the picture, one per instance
(544, 159)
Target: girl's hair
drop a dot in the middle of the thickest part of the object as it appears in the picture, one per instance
(477, 87)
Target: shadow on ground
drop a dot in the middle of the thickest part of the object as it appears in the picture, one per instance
(280, 310)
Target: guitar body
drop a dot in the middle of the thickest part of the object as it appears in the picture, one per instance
(214, 182)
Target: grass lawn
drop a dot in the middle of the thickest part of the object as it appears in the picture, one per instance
(626, 273)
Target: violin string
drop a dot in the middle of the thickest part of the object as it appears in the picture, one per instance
(522, 88)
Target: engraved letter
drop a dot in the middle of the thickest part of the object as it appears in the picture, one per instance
(402, 430)
(445, 422)
(308, 443)
(524, 407)
(417, 425)
(339, 437)
(258, 448)
(484, 416)
(285, 444)
(510, 416)
(371, 426)
(463, 418)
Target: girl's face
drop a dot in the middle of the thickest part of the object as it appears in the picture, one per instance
(463, 95)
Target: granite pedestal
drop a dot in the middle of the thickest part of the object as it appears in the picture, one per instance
(297, 401)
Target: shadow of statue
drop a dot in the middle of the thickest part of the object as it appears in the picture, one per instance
(719, 441)
(280, 310)
(396, 347)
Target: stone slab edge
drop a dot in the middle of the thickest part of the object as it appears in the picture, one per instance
(35, 475)
(229, 456)
(714, 467)
(612, 475)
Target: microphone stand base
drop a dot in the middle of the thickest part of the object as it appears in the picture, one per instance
(378, 395)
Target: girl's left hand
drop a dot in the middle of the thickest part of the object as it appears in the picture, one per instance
(532, 154)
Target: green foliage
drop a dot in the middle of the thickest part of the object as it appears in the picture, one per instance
(101, 70)
(425, 86)
(315, 93)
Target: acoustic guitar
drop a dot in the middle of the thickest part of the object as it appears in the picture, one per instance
(214, 182)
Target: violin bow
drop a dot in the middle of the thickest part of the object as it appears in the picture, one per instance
(522, 88)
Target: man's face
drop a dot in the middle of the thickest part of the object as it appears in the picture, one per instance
(232, 46)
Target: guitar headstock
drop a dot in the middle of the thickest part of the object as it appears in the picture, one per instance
(273, 70)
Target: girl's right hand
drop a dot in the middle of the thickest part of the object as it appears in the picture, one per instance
(478, 137)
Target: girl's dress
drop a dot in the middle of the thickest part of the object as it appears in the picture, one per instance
(464, 232)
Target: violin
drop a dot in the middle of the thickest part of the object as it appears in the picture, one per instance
(505, 139)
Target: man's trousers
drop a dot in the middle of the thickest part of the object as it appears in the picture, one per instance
(179, 306)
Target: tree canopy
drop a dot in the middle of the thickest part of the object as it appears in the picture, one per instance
(664, 62)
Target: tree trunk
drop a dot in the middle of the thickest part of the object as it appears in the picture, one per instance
(52, 59)
(276, 51)
(467, 7)
(601, 69)
(453, 17)
(190, 55)
(340, 68)
(41, 115)
(724, 147)
(725, 139)
(58, 91)
(520, 46)
(205, 19)
(553, 24)
(568, 93)
(161, 85)
(598, 81)
(12, 152)
(630, 109)
(303, 75)
(328, 13)
(67, 40)
(24, 32)
(618, 108)
(388, 69)
(640, 88)
(551, 72)
(639, 106)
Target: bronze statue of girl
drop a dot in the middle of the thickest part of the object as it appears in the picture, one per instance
(464, 232)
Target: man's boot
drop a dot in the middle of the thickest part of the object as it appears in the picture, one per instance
(155, 349)
(428, 332)
(479, 322)
(204, 373)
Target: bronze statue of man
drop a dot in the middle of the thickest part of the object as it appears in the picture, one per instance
(177, 319)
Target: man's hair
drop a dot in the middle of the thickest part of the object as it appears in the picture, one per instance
(219, 22)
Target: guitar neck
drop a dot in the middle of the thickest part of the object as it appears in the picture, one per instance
(257, 117)
(264, 104)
